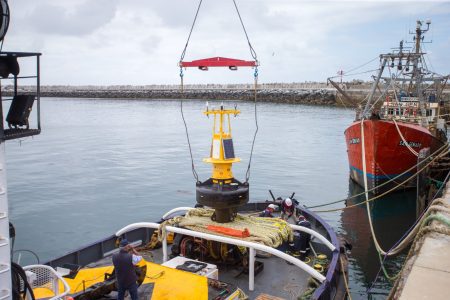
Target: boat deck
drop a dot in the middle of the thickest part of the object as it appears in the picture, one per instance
(277, 278)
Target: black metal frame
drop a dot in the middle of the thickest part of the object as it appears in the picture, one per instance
(9, 134)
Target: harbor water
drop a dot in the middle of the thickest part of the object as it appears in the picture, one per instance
(101, 164)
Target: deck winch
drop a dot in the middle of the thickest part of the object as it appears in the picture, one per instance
(222, 191)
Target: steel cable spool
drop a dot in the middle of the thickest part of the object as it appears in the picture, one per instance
(4, 21)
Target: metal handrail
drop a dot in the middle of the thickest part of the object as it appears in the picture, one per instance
(4, 268)
(252, 247)
(295, 227)
(315, 234)
(177, 209)
(3, 241)
(59, 277)
(6, 294)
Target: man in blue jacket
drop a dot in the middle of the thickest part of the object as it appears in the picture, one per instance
(124, 262)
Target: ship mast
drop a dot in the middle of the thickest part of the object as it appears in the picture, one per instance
(417, 75)
(368, 106)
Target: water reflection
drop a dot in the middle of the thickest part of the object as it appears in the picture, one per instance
(391, 215)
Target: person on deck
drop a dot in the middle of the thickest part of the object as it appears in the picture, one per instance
(302, 239)
(288, 210)
(124, 262)
(267, 213)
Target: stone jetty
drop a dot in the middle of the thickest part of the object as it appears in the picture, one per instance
(313, 94)
(296, 93)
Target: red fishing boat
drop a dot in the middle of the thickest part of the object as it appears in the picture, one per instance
(403, 121)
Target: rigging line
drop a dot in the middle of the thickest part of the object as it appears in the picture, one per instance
(190, 32)
(252, 51)
(247, 174)
(185, 126)
(359, 73)
(365, 64)
(429, 60)
(391, 83)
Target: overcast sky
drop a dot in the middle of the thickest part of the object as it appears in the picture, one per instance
(103, 42)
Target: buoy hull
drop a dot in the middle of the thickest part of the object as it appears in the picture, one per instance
(224, 198)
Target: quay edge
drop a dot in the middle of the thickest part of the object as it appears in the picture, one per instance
(426, 273)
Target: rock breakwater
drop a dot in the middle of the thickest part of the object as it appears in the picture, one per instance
(317, 96)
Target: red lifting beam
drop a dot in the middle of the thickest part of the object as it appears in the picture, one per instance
(231, 63)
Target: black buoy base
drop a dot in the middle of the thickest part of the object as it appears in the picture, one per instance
(225, 198)
(223, 215)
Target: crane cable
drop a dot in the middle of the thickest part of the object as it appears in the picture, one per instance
(185, 127)
(247, 173)
(183, 94)
(254, 55)
(255, 75)
(252, 51)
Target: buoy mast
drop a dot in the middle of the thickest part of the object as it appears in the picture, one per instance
(222, 191)
(222, 151)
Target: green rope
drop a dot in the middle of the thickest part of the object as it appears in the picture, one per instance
(385, 272)
(437, 217)
(439, 184)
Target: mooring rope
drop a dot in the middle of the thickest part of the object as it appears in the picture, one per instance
(407, 239)
(393, 179)
(441, 151)
(403, 139)
(347, 288)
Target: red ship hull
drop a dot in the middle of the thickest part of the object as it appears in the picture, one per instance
(386, 154)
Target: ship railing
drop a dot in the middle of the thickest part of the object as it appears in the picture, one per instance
(42, 276)
(250, 245)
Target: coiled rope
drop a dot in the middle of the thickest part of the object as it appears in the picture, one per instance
(271, 232)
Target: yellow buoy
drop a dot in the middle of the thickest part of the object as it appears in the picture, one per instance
(222, 191)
